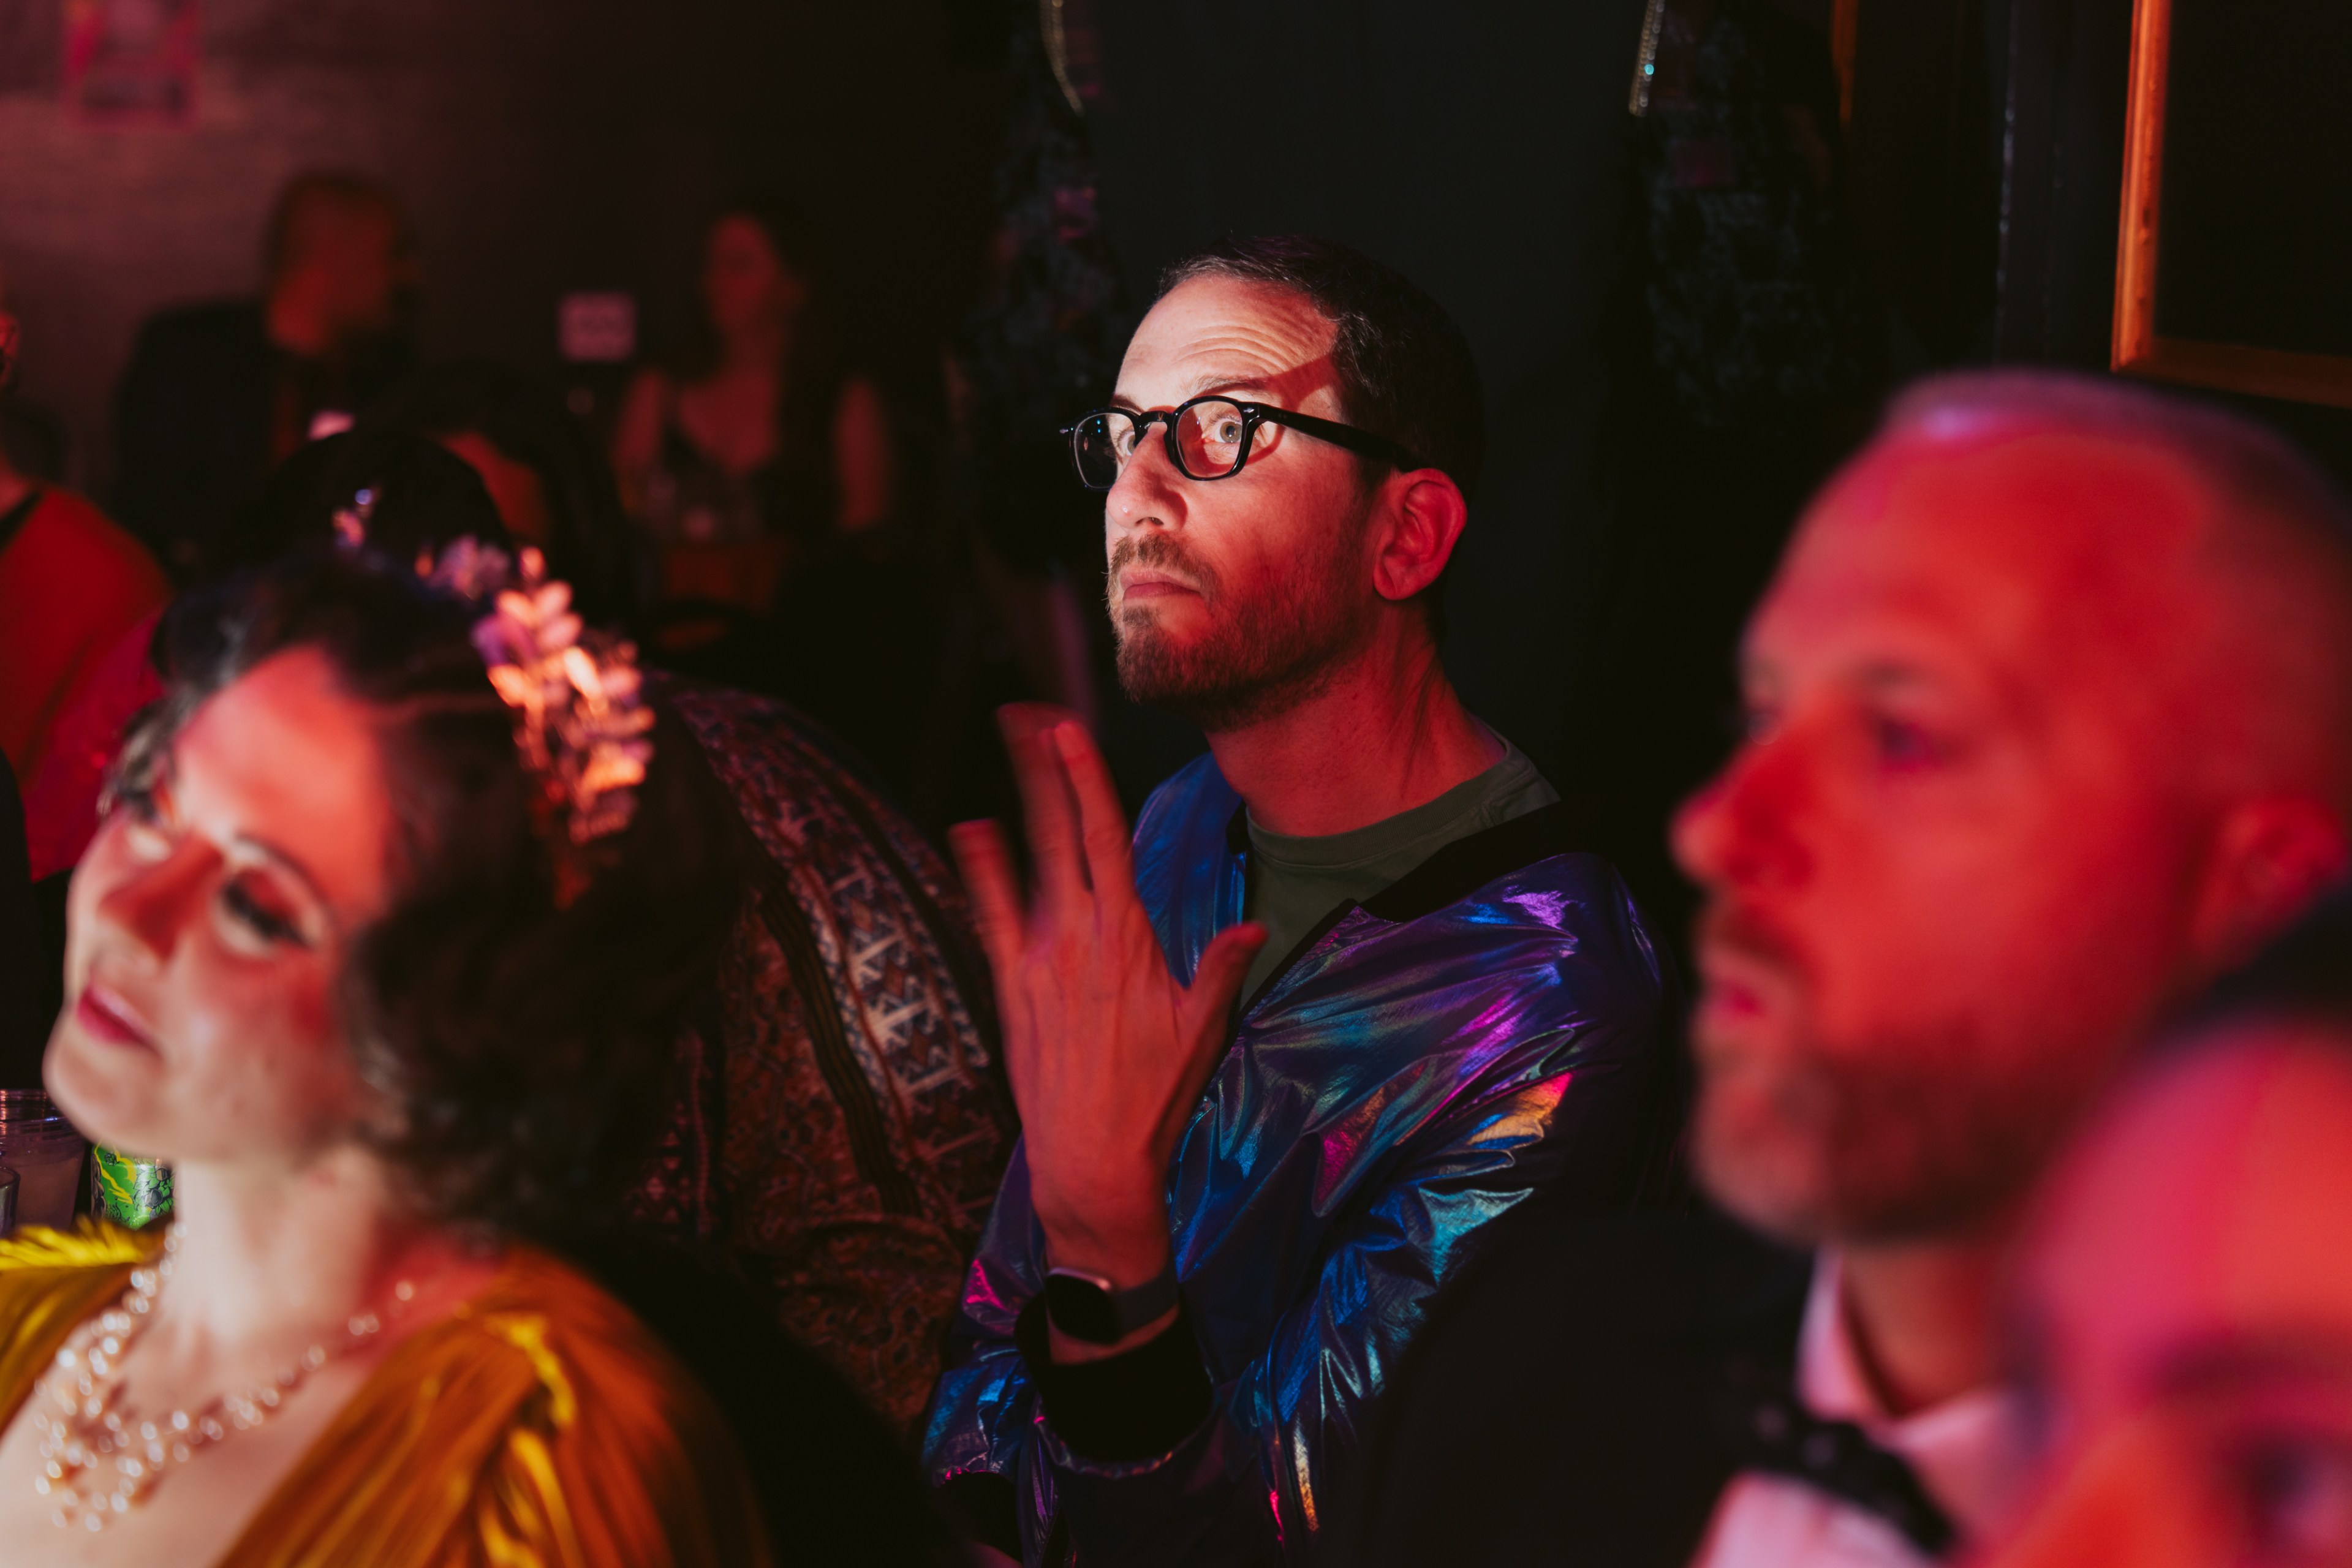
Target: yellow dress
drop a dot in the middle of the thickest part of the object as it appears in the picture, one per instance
(539, 1427)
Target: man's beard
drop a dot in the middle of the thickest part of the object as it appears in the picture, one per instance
(1270, 645)
(1919, 1133)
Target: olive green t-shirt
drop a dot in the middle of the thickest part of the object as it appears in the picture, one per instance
(1296, 882)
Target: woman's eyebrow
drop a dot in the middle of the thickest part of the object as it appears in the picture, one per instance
(290, 865)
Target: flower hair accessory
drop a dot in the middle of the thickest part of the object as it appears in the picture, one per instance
(579, 719)
(580, 716)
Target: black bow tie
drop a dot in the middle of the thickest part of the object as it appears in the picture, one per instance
(1769, 1428)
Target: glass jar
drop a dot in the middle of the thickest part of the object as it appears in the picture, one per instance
(42, 1147)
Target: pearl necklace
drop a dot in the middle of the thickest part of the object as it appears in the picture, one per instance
(87, 1431)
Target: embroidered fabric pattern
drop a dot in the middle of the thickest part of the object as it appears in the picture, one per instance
(839, 1127)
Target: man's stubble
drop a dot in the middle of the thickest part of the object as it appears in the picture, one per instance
(1271, 646)
(1926, 1128)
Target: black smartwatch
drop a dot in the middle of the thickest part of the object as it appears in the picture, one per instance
(1089, 1307)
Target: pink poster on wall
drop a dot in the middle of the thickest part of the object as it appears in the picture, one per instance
(131, 62)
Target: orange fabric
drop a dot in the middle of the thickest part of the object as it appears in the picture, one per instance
(71, 583)
(540, 1426)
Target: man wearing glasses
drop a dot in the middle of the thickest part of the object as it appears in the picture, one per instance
(1350, 994)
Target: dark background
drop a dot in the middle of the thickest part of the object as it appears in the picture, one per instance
(548, 145)
(543, 146)
(2257, 201)
(1478, 148)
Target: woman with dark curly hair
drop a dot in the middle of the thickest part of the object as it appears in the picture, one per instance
(382, 946)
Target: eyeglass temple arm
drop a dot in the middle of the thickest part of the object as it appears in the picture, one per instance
(1338, 435)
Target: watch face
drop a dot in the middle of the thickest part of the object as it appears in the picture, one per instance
(1082, 1309)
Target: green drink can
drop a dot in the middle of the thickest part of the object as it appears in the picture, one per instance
(127, 1190)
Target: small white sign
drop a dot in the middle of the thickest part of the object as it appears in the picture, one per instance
(597, 327)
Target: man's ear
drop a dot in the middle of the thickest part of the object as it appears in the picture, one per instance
(1423, 514)
(2272, 860)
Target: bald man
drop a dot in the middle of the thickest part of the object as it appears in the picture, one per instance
(2048, 708)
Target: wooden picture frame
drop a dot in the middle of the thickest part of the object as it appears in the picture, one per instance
(1845, 33)
(2138, 348)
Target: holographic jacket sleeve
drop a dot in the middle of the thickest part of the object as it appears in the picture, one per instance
(1490, 1026)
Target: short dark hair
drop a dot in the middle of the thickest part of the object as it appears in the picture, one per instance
(1404, 368)
(419, 496)
(522, 1045)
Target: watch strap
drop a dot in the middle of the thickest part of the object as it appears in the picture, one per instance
(1127, 1310)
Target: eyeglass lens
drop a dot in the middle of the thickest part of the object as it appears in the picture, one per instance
(1209, 443)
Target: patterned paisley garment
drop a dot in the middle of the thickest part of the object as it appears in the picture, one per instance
(842, 1123)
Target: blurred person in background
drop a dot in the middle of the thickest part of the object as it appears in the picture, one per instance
(71, 585)
(32, 438)
(217, 395)
(771, 484)
(2182, 1324)
(773, 446)
(2049, 722)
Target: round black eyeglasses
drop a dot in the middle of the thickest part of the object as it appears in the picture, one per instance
(1207, 438)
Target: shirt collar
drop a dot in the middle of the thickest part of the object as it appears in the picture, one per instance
(1967, 1451)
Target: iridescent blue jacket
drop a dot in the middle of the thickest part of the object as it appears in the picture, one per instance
(1494, 1024)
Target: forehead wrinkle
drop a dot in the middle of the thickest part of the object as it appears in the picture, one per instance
(1229, 371)
(1229, 329)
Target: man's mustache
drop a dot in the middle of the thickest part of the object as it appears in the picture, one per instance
(1737, 928)
(1161, 553)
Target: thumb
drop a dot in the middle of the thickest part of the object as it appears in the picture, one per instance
(1218, 979)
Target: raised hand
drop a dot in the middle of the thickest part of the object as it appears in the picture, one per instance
(1106, 1051)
